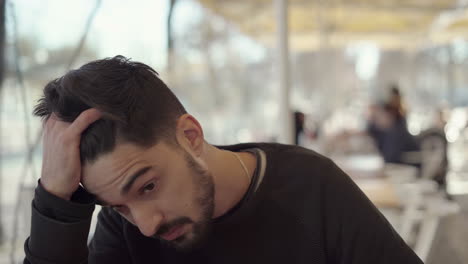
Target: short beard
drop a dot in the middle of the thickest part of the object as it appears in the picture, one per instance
(203, 181)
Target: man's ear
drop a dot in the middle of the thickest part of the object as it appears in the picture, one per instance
(189, 134)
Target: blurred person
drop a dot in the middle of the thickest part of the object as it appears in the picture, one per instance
(387, 126)
(304, 133)
(396, 100)
(299, 119)
(115, 135)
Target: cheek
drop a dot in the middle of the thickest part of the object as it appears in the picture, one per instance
(180, 192)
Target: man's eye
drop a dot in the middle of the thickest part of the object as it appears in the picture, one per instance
(149, 187)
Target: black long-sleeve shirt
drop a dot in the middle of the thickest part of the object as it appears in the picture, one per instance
(305, 210)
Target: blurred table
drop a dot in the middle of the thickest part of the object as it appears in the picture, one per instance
(419, 204)
(368, 173)
(381, 192)
(361, 166)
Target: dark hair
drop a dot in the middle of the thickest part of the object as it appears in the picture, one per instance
(137, 106)
(395, 90)
(396, 101)
(391, 110)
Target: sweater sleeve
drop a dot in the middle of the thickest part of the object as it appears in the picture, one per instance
(356, 232)
(60, 228)
(108, 244)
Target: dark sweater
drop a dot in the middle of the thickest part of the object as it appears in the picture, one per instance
(306, 210)
(393, 143)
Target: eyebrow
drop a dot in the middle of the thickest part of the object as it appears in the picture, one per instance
(132, 180)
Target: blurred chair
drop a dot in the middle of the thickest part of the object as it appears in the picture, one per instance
(424, 203)
(434, 156)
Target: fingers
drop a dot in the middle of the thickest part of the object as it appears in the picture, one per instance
(83, 121)
(75, 129)
(61, 165)
(53, 121)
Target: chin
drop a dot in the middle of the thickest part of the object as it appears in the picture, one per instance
(185, 243)
(188, 242)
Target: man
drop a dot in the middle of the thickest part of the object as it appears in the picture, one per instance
(117, 136)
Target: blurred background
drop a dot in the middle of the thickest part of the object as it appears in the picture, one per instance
(380, 86)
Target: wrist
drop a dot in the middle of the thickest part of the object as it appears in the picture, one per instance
(55, 192)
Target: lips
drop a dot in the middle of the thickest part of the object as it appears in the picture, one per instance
(173, 233)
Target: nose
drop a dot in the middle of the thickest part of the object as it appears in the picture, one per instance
(147, 221)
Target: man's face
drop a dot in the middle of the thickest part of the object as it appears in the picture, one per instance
(162, 190)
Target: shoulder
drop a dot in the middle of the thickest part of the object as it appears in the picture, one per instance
(109, 218)
(293, 168)
(295, 158)
(283, 156)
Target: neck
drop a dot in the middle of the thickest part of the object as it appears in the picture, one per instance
(230, 179)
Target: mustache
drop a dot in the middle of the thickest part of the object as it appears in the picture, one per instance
(168, 226)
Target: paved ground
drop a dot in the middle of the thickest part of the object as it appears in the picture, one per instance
(451, 243)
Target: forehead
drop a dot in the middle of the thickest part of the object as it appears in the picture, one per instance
(112, 169)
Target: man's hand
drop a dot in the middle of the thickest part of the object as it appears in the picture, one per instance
(61, 166)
